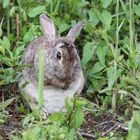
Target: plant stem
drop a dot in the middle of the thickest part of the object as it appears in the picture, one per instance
(51, 7)
(130, 23)
(8, 23)
(18, 26)
(57, 6)
(116, 54)
(41, 80)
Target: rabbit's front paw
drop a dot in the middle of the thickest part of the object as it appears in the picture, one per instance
(56, 82)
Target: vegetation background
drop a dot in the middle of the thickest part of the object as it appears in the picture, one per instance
(110, 56)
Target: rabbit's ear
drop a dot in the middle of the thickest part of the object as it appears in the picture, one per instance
(74, 30)
(48, 27)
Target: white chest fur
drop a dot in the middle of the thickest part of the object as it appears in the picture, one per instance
(54, 98)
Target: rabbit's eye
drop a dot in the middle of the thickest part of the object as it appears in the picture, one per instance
(58, 55)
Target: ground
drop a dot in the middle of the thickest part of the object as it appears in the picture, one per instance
(105, 124)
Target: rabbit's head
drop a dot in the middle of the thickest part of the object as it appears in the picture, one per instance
(61, 55)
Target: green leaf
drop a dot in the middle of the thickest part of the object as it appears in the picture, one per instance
(0, 31)
(7, 61)
(71, 134)
(4, 104)
(48, 1)
(124, 7)
(134, 127)
(88, 52)
(79, 118)
(137, 9)
(103, 139)
(68, 105)
(112, 75)
(101, 53)
(106, 19)
(58, 116)
(2, 50)
(36, 11)
(31, 134)
(93, 18)
(63, 27)
(97, 76)
(80, 103)
(89, 27)
(97, 67)
(30, 35)
(18, 50)
(3, 116)
(3, 82)
(6, 3)
(106, 3)
(27, 119)
(13, 10)
(5, 43)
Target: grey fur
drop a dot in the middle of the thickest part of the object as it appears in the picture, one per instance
(52, 69)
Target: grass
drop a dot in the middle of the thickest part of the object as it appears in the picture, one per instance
(40, 83)
(110, 57)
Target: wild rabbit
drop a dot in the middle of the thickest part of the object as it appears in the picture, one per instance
(63, 76)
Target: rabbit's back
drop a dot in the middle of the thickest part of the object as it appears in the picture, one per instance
(30, 52)
(31, 57)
